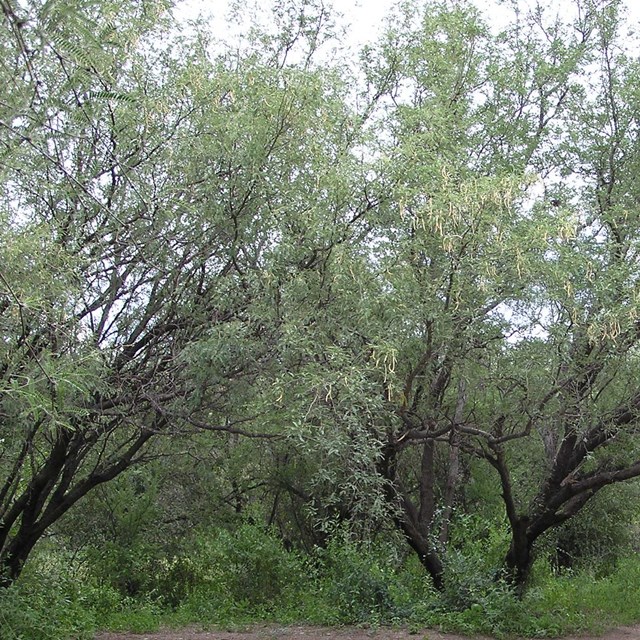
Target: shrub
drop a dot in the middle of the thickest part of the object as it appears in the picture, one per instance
(258, 567)
(42, 606)
(356, 580)
(234, 576)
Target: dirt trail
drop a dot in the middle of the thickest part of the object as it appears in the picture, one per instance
(274, 632)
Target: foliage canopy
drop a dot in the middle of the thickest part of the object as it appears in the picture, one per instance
(399, 281)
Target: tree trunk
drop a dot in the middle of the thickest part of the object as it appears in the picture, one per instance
(426, 553)
(519, 557)
(16, 555)
(453, 468)
(416, 524)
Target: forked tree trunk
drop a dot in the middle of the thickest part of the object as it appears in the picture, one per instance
(51, 493)
(416, 522)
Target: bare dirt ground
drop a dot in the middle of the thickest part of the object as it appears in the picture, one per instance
(273, 632)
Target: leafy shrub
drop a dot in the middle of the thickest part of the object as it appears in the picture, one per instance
(254, 565)
(472, 561)
(235, 575)
(356, 580)
(123, 568)
(602, 533)
(42, 606)
(146, 573)
(414, 596)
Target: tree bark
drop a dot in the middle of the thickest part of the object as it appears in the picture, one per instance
(415, 523)
(50, 495)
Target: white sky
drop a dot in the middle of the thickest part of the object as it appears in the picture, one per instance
(367, 16)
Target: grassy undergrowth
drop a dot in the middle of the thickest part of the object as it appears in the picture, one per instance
(230, 581)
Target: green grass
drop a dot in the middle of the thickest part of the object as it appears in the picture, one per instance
(239, 582)
(555, 606)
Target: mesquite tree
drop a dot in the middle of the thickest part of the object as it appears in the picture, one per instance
(153, 197)
(493, 307)
(521, 320)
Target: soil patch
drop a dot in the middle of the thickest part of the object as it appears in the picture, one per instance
(274, 632)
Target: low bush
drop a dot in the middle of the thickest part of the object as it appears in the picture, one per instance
(44, 606)
(250, 577)
(356, 580)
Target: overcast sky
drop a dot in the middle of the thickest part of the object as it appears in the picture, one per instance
(366, 16)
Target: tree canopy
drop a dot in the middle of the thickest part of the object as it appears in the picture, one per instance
(393, 275)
